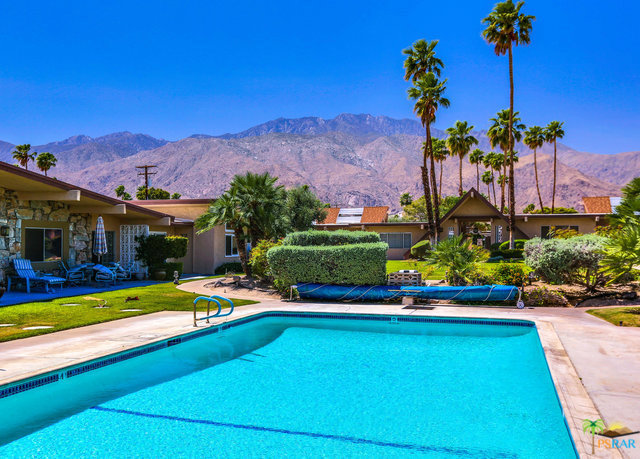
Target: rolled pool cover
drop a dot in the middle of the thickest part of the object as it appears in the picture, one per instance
(390, 292)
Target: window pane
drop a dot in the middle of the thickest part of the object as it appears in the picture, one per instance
(384, 237)
(228, 244)
(407, 240)
(34, 244)
(52, 244)
(395, 240)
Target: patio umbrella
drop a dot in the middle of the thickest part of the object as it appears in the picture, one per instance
(100, 240)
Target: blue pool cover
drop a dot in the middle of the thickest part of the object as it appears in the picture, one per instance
(390, 292)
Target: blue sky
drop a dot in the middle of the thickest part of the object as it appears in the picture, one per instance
(171, 69)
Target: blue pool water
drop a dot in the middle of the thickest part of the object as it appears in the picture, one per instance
(305, 387)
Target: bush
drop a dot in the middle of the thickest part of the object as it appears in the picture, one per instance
(517, 244)
(339, 237)
(170, 267)
(510, 274)
(177, 246)
(495, 246)
(419, 250)
(567, 261)
(542, 296)
(508, 253)
(258, 261)
(232, 267)
(152, 250)
(459, 257)
(351, 264)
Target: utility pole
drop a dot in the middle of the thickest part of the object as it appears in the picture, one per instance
(146, 174)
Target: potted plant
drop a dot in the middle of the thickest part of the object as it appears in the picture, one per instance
(159, 273)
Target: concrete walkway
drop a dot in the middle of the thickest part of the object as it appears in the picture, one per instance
(604, 357)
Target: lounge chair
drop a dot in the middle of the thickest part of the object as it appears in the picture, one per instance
(74, 275)
(25, 271)
(122, 272)
(104, 274)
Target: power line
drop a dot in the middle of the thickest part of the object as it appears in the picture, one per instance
(146, 174)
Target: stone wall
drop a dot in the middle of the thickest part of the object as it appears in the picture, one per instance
(14, 211)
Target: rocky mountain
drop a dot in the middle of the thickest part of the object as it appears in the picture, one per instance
(348, 160)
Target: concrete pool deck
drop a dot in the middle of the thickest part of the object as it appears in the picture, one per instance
(595, 365)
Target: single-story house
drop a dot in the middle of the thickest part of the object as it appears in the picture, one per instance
(46, 220)
(471, 210)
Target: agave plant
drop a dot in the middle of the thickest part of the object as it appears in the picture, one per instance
(459, 257)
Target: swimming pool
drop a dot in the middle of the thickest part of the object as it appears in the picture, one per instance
(292, 384)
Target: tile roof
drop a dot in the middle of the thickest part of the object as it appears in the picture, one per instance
(597, 204)
(374, 214)
(332, 216)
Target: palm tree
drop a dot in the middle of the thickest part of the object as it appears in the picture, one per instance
(506, 27)
(593, 427)
(421, 61)
(439, 153)
(23, 155)
(552, 133)
(46, 161)
(534, 138)
(476, 158)
(498, 134)
(405, 199)
(488, 162)
(226, 210)
(487, 179)
(459, 143)
(428, 93)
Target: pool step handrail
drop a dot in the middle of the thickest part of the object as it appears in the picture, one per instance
(209, 300)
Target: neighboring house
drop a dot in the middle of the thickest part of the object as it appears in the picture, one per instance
(47, 220)
(471, 212)
(601, 204)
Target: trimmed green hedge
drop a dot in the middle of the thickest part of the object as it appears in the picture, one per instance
(351, 264)
(517, 244)
(508, 253)
(170, 267)
(420, 249)
(330, 238)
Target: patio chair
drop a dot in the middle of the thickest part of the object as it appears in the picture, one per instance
(121, 272)
(74, 275)
(25, 271)
(104, 274)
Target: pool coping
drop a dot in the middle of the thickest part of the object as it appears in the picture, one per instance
(575, 402)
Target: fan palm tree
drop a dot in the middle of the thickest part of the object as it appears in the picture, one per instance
(489, 162)
(23, 155)
(487, 179)
(459, 143)
(46, 161)
(476, 158)
(552, 133)
(506, 27)
(405, 199)
(534, 138)
(440, 153)
(428, 93)
(593, 427)
(421, 61)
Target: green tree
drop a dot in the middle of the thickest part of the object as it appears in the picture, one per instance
(487, 179)
(154, 193)
(476, 158)
(622, 250)
(493, 162)
(122, 193)
(301, 209)
(552, 133)
(529, 208)
(629, 207)
(459, 257)
(535, 138)
(176, 196)
(405, 199)
(459, 143)
(423, 68)
(46, 161)
(23, 155)
(508, 27)
(440, 154)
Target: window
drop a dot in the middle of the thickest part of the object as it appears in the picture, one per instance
(499, 233)
(231, 248)
(397, 240)
(546, 230)
(451, 233)
(43, 244)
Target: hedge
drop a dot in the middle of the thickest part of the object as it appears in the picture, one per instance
(420, 249)
(330, 238)
(351, 264)
(177, 246)
(517, 244)
(508, 253)
(170, 267)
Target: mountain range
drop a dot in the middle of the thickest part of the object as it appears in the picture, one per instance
(350, 160)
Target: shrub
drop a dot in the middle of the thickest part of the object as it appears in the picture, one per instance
(495, 246)
(177, 246)
(231, 267)
(508, 253)
(339, 237)
(258, 261)
(510, 274)
(622, 253)
(542, 296)
(574, 260)
(170, 267)
(351, 264)
(419, 250)
(517, 244)
(152, 250)
(459, 257)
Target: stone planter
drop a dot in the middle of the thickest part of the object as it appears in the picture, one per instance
(160, 275)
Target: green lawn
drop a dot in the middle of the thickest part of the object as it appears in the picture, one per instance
(438, 274)
(81, 311)
(630, 317)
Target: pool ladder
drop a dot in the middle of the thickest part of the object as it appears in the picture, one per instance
(209, 299)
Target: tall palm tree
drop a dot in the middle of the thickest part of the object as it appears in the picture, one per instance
(506, 27)
(476, 158)
(428, 93)
(487, 179)
(46, 161)
(489, 162)
(552, 133)
(420, 61)
(23, 155)
(459, 143)
(440, 153)
(534, 138)
(498, 134)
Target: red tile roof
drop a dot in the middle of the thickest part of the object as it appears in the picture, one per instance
(374, 214)
(332, 216)
(597, 204)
